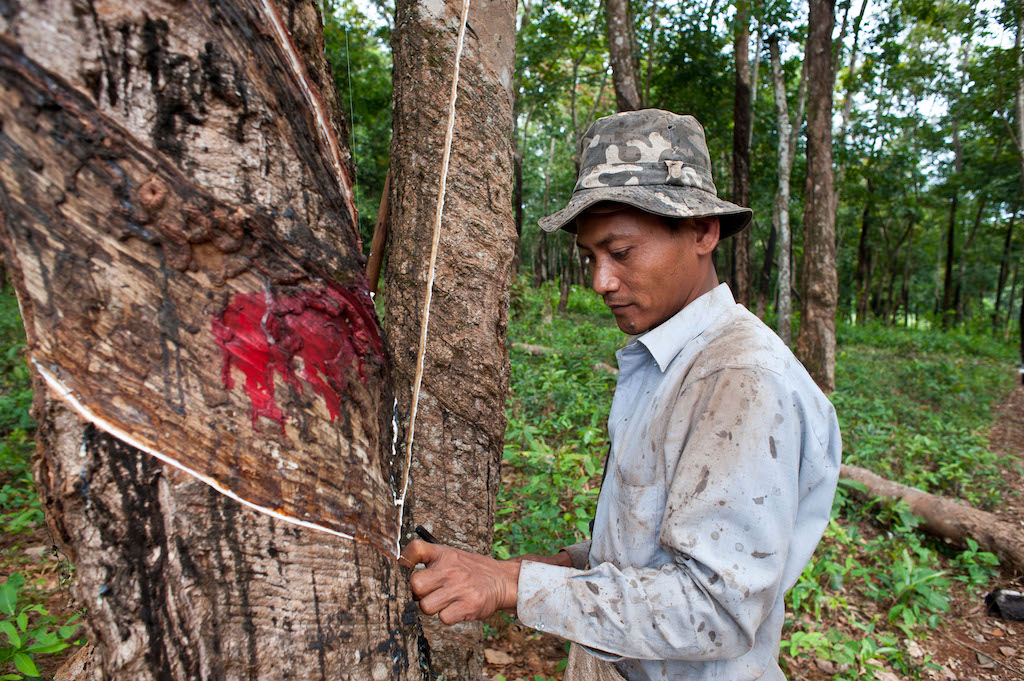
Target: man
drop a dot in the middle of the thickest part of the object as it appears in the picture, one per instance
(724, 453)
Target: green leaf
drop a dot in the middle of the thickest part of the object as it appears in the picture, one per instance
(8, 598)
(22, 620)
(12, 634)
(25, 664)
(46, 648)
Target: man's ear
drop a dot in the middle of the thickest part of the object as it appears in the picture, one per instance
(706, 231)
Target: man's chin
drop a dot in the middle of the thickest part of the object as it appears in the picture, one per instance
(629, 323)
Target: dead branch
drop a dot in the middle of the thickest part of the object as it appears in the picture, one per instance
(948, 519)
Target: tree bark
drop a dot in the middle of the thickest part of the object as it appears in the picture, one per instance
(947, 518)
(540, 261)
(620, 50)
(816, 341)
(741, 135)
(787, 154)
(1004, 263)
(171, 181)
(460, 426)
(865, 256)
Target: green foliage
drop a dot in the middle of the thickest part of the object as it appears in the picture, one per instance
(19, 503)
(30, 630)
(556, 437)
(923, 420)
(360, 57)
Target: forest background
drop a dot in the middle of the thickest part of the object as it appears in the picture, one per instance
(928, 185)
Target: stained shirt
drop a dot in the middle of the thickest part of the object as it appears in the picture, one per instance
(723, 465)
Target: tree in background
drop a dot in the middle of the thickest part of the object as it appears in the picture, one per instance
(816, 341)
(742, 129)
(787, 134)
(621, 51)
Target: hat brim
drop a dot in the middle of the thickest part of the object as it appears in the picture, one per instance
(664, 200)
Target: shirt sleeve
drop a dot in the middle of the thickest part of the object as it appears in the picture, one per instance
(579, 554)
(733, 449)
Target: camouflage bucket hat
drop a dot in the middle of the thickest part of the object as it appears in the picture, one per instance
(653, 160)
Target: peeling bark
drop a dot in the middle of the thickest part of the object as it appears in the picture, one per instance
(460, 424)
(178, 216)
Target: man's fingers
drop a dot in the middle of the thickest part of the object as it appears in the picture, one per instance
(453, 614)
(437, 600)
(426, 581)
(418, 551)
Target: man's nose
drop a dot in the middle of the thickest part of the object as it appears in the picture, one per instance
(603, 279)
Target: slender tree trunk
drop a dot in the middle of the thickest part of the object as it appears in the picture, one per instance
(764, 280)
(780, 215)
(1004, 263)
(947, 283)
(816, 341)
(461, 419)
(741, 132)
(620, 50)
(540, 271)
(171, 179)
(905, 285)
(865, 258)
(1010, 302)
(961, 270)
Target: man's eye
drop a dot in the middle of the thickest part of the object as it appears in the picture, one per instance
(620, 255)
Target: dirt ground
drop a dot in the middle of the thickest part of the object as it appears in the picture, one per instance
(968, 646)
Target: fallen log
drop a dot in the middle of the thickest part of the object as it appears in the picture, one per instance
(535, 350)
(948, 519)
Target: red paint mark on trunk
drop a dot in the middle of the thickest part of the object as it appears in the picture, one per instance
(318, 333)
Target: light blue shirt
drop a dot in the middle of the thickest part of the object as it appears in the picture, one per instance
(723, 465)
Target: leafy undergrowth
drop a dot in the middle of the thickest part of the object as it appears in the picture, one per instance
(38, 624)
(914, 406)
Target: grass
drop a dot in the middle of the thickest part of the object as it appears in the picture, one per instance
(914, 406)
(32, 636)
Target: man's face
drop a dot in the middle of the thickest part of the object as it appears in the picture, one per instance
(645, 271)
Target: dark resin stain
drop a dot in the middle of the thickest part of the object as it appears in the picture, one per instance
(327, 331)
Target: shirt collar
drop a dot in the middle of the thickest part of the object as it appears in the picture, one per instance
(666, 340)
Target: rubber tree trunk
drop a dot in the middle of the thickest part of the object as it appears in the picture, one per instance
(1004, 263)
(166, 169)
(780, 213)
(741, 134)
(816, 340)
(619, 23)
(865, 256)
(460, 426)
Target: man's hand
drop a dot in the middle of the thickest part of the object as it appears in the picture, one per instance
(458, 585)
